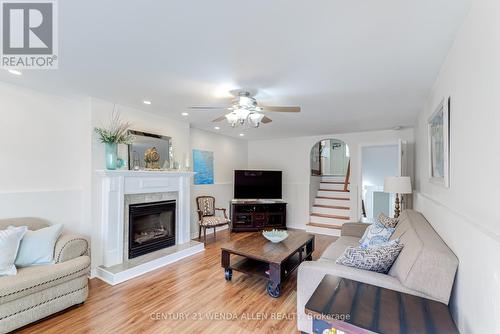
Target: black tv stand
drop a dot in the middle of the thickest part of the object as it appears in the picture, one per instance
(255, 215)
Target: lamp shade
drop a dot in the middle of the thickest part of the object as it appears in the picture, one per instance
(397, 184)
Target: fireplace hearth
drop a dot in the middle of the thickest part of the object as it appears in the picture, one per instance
(151, 227)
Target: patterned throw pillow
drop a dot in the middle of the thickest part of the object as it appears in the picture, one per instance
(387, 221)
(377, 258)
(375, 234)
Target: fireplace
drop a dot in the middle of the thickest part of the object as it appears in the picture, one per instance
(151, 227)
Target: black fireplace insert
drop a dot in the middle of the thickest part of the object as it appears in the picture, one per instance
(151, 227)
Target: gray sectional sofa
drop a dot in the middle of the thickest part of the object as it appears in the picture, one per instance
(39, 291)
(425, 267)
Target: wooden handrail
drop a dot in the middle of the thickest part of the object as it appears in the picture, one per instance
(347, 176)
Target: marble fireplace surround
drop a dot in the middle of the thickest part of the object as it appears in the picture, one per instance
(115, 191)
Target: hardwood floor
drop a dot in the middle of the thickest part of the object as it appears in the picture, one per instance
(189, 296)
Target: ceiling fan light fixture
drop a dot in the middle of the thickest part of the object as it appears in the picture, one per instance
(232, 118)
(255, 118)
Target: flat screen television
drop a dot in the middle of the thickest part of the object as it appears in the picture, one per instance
(257, 184)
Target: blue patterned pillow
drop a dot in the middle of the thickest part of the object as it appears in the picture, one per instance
(377, 258)
(375, 234)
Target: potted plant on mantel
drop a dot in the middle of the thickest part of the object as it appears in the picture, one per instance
(116, 133)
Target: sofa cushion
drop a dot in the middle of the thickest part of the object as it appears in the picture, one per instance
(375, 234)
(376, 258)
(336, 249)
(402, 226)
(387, 221)
(9, 246)
(425, 264)
(408, 256)
(37, 278)
(37, 247)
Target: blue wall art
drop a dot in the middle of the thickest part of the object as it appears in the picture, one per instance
(203, 163)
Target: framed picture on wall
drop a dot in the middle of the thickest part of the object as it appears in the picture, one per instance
(203, 166)
(439, 144)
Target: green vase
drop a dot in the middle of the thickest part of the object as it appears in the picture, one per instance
(111, 155)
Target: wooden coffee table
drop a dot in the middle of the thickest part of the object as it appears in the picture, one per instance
(273, 261)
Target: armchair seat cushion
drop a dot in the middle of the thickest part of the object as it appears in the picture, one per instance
(213, 221)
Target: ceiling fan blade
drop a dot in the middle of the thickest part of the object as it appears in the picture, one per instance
(266, 120)
(280, 109)
(207, 108)
(218, 119)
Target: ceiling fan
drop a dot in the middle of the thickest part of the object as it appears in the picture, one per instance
(245, 109)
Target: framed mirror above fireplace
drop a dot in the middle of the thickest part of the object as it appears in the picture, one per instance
(143, 142)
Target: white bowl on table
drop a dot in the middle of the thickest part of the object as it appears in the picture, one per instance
(275, 235)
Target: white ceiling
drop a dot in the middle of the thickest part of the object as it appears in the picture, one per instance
(352, 65)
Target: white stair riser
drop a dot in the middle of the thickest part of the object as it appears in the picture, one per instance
(332, 186)
(321, 230)
(332, 179)
(326, 220)
(335, 202)
(339, 194)
(330, 211)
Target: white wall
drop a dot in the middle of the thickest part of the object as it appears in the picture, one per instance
(466, 214)
(45, 154)
(291, 155)
(49, 153)
(141, 121)
(229, 154)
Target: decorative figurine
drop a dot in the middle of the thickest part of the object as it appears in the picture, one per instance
(152, 158)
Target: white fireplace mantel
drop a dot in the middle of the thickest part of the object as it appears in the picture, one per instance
(111, 189)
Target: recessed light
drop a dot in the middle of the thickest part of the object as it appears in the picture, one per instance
(217, 127)
(242, 134)
(185, 114)
(15, 72)
(146, 102)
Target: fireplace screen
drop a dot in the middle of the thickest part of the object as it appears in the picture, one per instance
(151, 227)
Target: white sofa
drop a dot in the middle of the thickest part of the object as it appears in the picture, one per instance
(39, 291)
(425, 267)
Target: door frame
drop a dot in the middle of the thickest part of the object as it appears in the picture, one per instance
(399, 143)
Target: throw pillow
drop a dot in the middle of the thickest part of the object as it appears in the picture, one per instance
(9, 245)
(375, 234)
(387, 221)
(376, 258)
(37, 247)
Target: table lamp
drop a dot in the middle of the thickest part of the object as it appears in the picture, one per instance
(397, 185)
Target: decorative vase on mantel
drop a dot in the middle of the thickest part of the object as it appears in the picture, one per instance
(117, 132)
(111, 155)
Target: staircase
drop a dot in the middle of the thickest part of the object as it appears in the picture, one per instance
(332, 206)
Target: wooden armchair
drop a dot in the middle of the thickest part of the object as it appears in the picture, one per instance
(207, 218)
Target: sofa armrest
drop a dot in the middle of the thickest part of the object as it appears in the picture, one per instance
(70, 246)
(353, 229)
